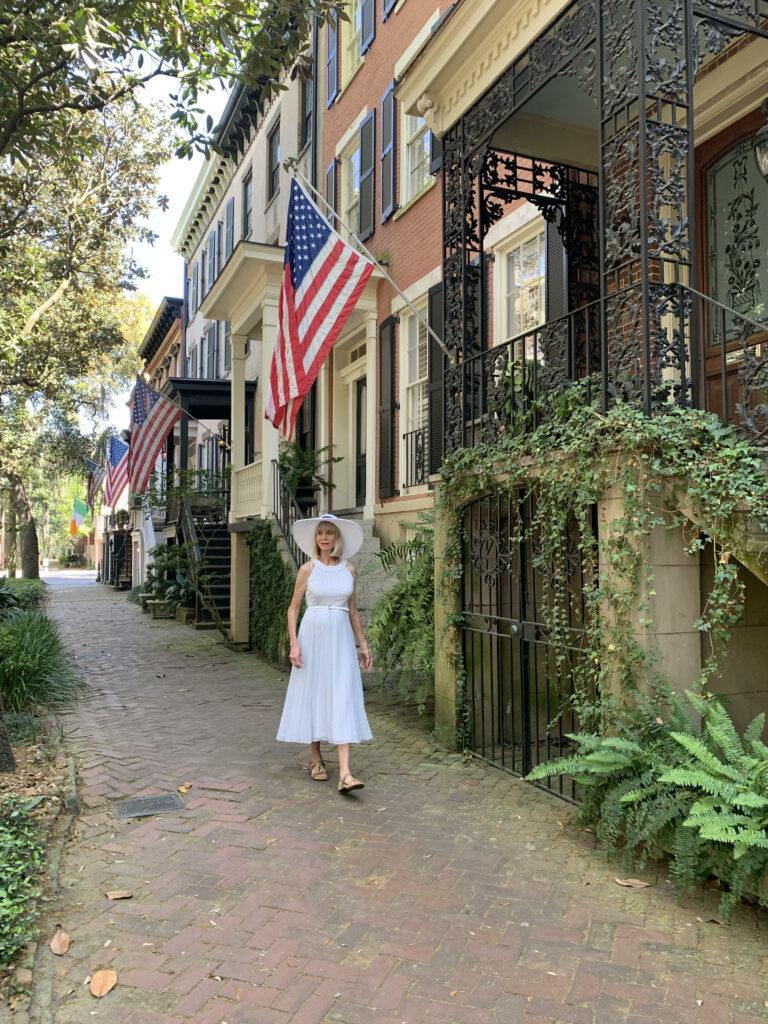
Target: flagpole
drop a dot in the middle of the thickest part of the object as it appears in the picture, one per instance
(291, 165)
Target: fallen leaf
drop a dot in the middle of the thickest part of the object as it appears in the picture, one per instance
(103, 982)
(119, 894)
(182, 789)
(454, 992)
(660, 721)
(60, 942)
(108, 943)
(188, 785)
(632, 883)
(12, 1002)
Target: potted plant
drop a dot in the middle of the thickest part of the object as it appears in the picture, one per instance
(304, 471)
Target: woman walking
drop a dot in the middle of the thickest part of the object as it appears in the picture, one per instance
(324, 702)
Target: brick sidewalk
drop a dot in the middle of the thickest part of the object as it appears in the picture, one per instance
(440, 893)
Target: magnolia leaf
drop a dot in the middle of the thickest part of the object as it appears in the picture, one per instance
(119, 894)
(103, 982)
(182, 789)
(60, 942)
(632, 883)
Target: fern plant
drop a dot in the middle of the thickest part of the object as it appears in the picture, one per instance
(401, 629)
(674, 774)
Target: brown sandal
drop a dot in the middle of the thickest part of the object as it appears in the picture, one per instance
(318, 772)
(348, 782)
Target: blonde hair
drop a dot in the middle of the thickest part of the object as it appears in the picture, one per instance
(338, 547)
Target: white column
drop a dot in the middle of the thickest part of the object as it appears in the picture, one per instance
(371, 338)
(269, 436)
(239, 560)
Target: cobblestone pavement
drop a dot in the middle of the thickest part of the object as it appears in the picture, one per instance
(439, 893)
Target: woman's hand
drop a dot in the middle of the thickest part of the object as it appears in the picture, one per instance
(366, 659)
(295, 656)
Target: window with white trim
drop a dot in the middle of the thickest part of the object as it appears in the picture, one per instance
(523, 281)
(415, 365)
(351, 33)
(350, 185)
(416, 145)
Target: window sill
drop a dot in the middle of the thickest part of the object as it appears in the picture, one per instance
(422, 192)
(272, 201)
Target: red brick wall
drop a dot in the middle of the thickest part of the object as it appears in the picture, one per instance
(412, 242)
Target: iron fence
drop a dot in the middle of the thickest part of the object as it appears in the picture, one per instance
(416, 457)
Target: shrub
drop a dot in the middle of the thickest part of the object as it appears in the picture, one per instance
(28, 593)
(21, 859)
(401, 629)
(271, 584)
(135, 593)
(661, 780)
(35, 667)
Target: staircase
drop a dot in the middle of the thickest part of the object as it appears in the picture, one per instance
(213, 571)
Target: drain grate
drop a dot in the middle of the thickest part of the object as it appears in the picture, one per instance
(144, 806)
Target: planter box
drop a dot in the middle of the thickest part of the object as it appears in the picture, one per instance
(144, 600)
(185, 615)
(159, 610)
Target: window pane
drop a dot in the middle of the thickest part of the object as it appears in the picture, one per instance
(525, 286)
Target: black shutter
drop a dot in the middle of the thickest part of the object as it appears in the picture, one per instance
(332, 61)
(330, 189)
(435, 153)
(435, 378)
(556, 276)
(367, 177)
(227, 346)
(386, 408)
(368, 24)
(388, 169)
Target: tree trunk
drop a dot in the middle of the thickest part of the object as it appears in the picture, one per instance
(27, 532)
(10, 541)
(7, 760)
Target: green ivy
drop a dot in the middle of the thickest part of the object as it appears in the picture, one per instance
(661, 467)
(401, 629)
(21, 860)
(271, 590)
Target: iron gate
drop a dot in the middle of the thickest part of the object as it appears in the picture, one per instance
(519, 683)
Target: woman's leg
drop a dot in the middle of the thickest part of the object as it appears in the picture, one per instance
(343, 751)
(346, 779)
(315, 748)
(317, 768)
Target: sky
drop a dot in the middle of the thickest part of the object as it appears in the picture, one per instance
(165, 267)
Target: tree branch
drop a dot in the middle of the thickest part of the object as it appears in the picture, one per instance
(44, 307)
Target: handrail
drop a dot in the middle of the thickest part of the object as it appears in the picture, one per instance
(286, 511)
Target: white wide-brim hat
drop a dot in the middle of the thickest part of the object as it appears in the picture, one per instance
(303, 531)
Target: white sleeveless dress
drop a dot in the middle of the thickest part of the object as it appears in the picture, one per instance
(325, 696)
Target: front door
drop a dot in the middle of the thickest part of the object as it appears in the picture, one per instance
(361, 435)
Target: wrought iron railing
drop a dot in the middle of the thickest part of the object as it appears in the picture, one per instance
(286, 511)
(416, 457)
(705, 355)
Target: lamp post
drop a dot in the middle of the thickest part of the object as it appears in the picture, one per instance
(760, 144)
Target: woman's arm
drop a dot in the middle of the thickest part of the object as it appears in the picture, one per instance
(293, 612)
(366, 659)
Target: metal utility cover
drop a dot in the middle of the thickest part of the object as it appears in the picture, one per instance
(144, 806)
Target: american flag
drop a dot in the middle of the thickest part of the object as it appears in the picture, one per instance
(152, 420)
(323, 278)
(117, 471)
(96, 475)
